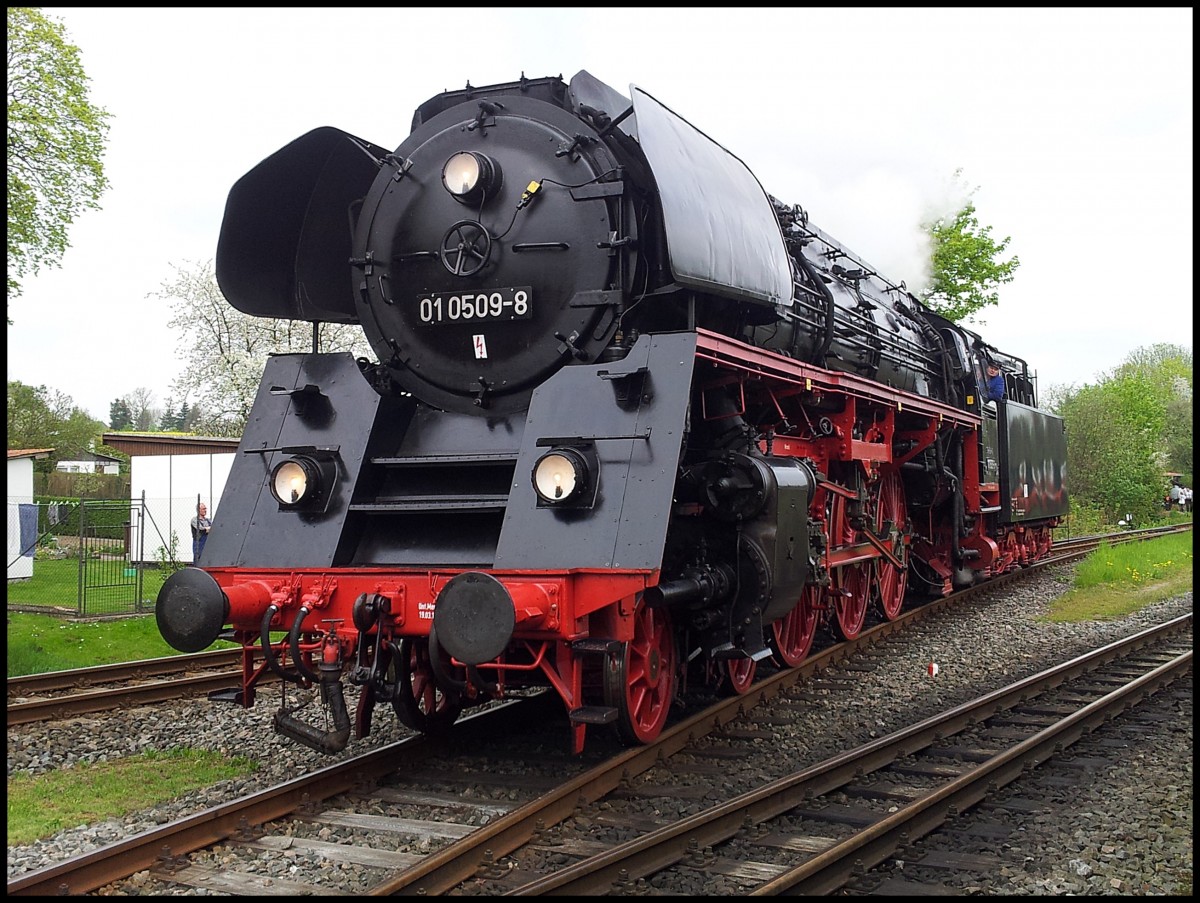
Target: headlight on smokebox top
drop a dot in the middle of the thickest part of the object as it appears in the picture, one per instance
(566, 477)
(470, 176)
(303, 483)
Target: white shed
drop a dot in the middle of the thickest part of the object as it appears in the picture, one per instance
(172, 472)
(22, 512)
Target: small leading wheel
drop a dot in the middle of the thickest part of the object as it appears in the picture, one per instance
(640, 680)
(791, 636)
(737, 674)
(890, 515)
(419, 703)
(852, 582)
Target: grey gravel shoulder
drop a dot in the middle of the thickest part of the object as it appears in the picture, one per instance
(971, 660)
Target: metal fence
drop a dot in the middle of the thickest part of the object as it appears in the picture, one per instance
(109, 580)
(89, 557)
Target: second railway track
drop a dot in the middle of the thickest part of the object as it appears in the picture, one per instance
(66, 694)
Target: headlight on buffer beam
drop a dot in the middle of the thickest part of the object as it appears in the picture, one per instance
(565, 477)
(301, 482)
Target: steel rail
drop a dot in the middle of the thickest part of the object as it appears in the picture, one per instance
(160, 845)
(828, 871)
(49, 681)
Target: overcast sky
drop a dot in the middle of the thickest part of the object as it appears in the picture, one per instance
(1075, 126)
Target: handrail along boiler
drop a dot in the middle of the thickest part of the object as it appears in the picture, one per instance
(634, 427)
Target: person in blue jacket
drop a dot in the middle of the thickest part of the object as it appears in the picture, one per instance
(994, 390)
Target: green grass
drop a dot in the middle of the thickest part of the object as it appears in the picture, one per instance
(55, 583)
(42, 805)
(41, 643)
(1116, 580)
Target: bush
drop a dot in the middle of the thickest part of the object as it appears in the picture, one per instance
(168, 559)
(108, 519)
(1084, 520)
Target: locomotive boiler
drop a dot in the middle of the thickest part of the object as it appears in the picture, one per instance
(634, 425)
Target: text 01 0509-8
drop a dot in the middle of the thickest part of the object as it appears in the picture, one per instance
(476, 307)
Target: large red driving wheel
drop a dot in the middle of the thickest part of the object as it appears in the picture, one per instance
(791, 636)
(419, 703)
(852, 582)
(890, 516)
(640, 680)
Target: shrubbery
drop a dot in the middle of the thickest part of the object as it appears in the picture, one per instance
(104, 520)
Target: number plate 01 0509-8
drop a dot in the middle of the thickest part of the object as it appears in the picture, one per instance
(499, 304)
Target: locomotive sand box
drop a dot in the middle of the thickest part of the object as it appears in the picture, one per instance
(635, 425)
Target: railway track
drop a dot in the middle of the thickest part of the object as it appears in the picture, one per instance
(1010, 832)
(854, 811)
(1084, 544)
(66, 694)
(496, 807)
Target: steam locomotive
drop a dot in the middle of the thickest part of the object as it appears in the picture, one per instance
(635, 426)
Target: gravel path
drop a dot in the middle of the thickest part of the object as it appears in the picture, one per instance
(1128, 831)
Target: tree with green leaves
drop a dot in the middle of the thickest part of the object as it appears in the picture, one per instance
(137, 411)
(39, 417)
(56, 138)
(965, 264)
(143, 413)
(176, 421)
(224, 350)
(167, 423)
(1166, 370)
(119, 415)
(1178, 438)
(1125, 432)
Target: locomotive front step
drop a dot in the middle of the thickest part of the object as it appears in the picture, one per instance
(593, 714)
(235, 695)
(435, 503)
(499, 458)
(596, 646)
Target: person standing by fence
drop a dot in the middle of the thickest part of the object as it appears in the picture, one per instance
(201, 526)
(1175, 495)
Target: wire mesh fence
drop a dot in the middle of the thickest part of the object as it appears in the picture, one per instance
(94, 557)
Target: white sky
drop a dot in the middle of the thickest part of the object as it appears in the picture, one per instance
(1075, 125)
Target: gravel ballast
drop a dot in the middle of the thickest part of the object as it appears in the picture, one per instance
(1127, 831)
